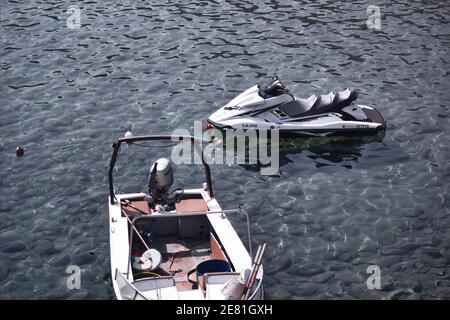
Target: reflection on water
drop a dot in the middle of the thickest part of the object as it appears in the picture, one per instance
(155, 66)
(344, 151)
(332, 151)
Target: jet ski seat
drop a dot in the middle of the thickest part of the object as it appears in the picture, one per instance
(298, 106)
(324, 102)
(320, 104)
(344, 98)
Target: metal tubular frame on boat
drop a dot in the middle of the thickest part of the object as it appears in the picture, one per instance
(136, 291)
(116, 148)
(254, 272)
(166, 215)
(248, 233)
(255, 291)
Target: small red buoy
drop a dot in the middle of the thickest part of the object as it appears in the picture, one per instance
(20, 151)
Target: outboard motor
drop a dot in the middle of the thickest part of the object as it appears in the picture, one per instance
(159, 182)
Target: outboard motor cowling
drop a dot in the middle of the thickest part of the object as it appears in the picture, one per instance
(161, 176)
(159, 182)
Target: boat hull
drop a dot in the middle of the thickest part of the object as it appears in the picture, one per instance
(126, 287)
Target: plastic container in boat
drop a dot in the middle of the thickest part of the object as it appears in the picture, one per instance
(213, 265)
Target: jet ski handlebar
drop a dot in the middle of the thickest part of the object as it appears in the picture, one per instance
(274, 88)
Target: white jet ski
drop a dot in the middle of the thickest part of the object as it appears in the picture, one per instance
(274, 107)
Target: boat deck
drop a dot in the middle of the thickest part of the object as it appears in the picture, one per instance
(184, 241)
(179, 257)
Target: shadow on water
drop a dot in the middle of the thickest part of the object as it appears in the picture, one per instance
(342, 151)
(328, 151)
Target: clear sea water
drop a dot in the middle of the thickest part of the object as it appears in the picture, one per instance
(337, 206)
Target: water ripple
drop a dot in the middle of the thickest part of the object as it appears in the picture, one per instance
(337, 205)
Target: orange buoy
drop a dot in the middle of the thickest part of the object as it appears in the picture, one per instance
(20, 151)
(209, 126)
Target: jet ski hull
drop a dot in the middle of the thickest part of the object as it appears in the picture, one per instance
(373, 125)
(274, 107)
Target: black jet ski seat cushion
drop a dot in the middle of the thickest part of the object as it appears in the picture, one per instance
(320, 104)
(324, 102)
(298, 106)
(344, 98)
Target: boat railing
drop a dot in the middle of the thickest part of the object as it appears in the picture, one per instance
(256, 290)
(197, 142)
(190, 214)
(127, 290)
(187, 214)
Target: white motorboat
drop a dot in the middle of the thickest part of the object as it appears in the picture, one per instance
(177, 245)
